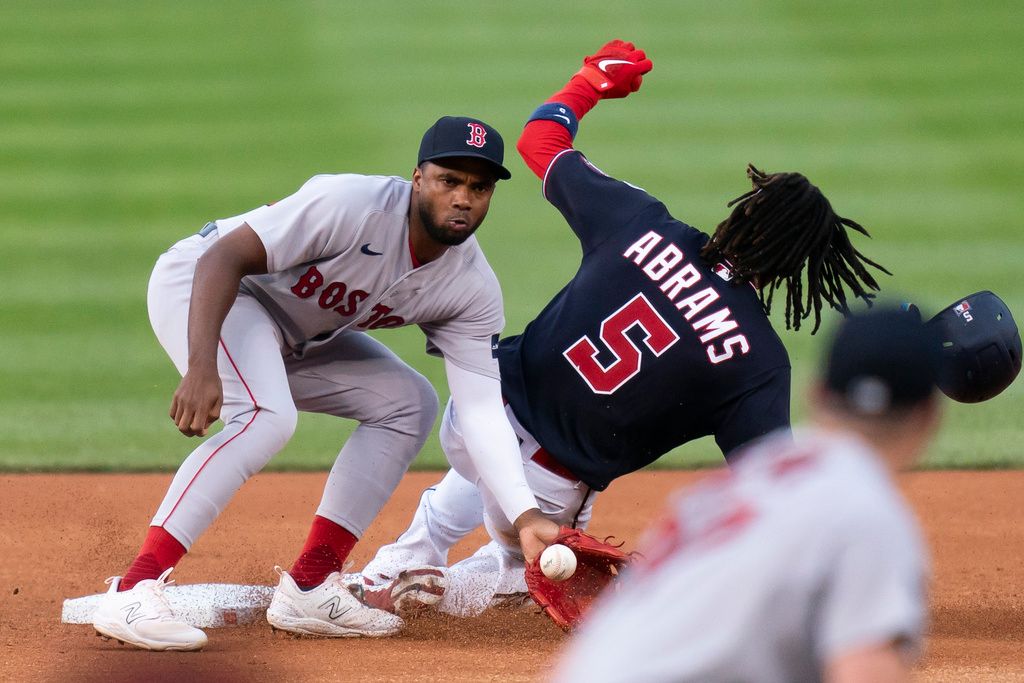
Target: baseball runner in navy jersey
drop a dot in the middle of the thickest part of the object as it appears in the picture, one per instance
(661, 337)
(801, 564)
(265, 314)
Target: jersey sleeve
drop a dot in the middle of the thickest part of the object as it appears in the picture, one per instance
(593, 203)
(470, 339)
(760, 412)
(319, 220)
(874, 591)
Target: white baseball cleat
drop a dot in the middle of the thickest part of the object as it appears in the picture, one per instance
(328, 610)
(412, 592)
(141, 616)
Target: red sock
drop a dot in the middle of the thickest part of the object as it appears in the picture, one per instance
(159, 551)
(326, 549)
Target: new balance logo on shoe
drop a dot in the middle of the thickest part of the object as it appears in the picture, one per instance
(132, 612)
(142, 617)
(335, 610)
(329, 609)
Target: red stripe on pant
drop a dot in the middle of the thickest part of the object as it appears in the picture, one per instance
(256, 411)
(161, 550)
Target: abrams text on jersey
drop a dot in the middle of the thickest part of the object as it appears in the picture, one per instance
(668, 266)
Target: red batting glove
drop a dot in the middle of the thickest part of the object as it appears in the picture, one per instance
(616, 70)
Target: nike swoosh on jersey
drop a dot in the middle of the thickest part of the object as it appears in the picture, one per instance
(605, 63)
(369, 252)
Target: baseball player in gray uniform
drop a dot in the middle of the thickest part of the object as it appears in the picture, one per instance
(265, 314)
(804, 563)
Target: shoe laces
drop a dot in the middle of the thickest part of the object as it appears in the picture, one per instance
(337, 579)
(338, 576)
(152, 593)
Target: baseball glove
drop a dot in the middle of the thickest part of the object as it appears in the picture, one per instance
(597, 566)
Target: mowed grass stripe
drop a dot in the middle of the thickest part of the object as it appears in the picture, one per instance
(127, 126)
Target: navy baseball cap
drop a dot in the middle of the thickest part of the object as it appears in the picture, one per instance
(462, 136)
(882, 359)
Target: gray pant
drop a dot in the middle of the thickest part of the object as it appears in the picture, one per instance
(353, 376)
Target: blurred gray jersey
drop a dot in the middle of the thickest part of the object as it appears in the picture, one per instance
(805, 552)
(339, 259)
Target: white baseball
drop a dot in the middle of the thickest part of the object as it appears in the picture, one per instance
(558, 562)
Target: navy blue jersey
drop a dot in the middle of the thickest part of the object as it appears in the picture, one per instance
(647, 347)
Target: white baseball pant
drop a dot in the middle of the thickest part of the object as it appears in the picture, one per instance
(458, 504)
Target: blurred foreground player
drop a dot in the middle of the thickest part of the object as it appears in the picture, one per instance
(803, 563)
(661, 337)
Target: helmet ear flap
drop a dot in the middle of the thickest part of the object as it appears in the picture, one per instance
(981, 347)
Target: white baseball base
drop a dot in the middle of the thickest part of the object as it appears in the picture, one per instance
(203, 605)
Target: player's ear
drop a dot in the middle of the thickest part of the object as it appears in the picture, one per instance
(417, 178)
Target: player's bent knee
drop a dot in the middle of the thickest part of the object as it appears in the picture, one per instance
(275, 426)
(428, 404)
(413, 409)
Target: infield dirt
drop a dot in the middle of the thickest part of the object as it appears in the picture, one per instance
(63, 534)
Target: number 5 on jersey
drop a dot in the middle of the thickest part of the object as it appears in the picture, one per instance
(607, 379)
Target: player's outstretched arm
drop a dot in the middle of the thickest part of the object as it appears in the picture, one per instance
(197, 401)
(494, 451)
(614, 71)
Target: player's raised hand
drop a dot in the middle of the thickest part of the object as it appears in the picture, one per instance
(616, 70)
(197, 401)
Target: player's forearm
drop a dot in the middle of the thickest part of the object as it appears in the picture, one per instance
(215, 287)
(494, 450)
(578, 95)
(490, 441)
(541, 141)
(213, 292)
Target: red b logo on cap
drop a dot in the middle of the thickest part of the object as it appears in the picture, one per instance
(477, 135)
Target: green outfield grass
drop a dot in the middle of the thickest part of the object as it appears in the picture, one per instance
(125, 126)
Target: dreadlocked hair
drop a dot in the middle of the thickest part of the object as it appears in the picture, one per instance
(781, 225)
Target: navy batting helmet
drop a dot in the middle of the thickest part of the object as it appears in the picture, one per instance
(981, 350)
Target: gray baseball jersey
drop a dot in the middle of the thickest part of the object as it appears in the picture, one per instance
(340, 264)
(339, 259)
(806, 552)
